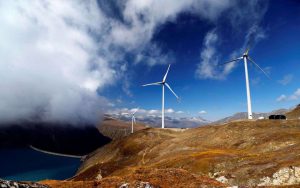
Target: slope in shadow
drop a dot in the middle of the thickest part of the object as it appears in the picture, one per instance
(54, 137)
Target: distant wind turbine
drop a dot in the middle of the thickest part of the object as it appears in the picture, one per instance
(133, 119)
(163, 83)
(246, 57)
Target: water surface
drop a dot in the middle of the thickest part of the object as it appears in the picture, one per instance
(26, 164)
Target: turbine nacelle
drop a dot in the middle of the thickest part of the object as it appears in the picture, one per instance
(164, 83)
(245, 55)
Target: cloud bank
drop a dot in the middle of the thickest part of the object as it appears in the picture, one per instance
(50, 68)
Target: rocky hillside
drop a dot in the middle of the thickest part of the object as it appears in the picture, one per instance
(16, 184)
(249, 153)
(294, 114)
(144, 178)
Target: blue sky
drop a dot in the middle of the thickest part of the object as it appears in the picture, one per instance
(277, 52)
(73, 60)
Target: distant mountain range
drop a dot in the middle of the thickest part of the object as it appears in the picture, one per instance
(190, 122)
(155, 121)
(244, 115)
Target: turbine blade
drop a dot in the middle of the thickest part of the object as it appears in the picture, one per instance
(165, 77)
(133, 118)
(172, 90)
(259, 67)
(231, 61)
(155, 83)
(135, 111)
(247, 50)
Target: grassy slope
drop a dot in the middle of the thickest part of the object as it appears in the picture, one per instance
(243, 151)
(294, 114)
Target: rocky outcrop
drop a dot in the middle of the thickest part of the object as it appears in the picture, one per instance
(285, 176)
(15, 184)
(138, 185)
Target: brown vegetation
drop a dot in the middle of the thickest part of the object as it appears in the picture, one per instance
(294, 114)
(142, 177)
(241, 151)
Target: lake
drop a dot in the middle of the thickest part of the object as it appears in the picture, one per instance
(26, 164)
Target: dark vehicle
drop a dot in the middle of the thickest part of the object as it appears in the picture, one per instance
(277, 117)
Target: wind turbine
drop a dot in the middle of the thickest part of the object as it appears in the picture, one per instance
(133, 119)
(246, 57)
(163, 83)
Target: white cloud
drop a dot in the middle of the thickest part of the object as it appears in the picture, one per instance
(180, 112)
(286, 79)
(294, 96)
(208, 67)
(169, 110)
(202, 112)
(152, 111)
(209, 58)
(144, 112)
(143, 17)
(281, 98)
(47, 53)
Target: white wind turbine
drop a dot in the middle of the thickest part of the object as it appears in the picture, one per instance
(246, 57)
(163, 83)
(133, 119)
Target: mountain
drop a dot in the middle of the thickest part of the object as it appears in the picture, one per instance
(170, 122)
(243, 153)
(244, 115)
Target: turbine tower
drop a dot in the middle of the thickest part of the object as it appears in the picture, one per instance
(246, 57)
(163, 83)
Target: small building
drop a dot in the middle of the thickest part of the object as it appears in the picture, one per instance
(277, 117)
